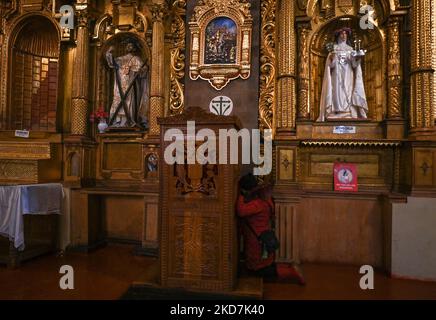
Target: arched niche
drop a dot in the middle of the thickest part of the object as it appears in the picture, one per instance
(106, 75)
(373, 64)
(34, 75)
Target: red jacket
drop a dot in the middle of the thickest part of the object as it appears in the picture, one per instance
(257, 213)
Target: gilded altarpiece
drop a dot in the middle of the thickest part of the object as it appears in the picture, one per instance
(294, 41)
(30, 90)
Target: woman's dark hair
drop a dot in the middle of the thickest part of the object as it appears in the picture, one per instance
(248, 182)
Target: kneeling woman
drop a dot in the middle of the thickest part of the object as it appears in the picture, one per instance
(256, 209)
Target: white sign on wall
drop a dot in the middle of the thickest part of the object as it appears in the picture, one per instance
(22, 133)
(344, 129)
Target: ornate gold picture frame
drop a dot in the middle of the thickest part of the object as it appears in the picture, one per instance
(220, 41)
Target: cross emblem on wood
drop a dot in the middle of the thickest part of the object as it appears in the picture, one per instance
(286, 163)
(221, 106)
(425, 168)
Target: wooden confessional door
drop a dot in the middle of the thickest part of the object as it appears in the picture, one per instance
(198, 244)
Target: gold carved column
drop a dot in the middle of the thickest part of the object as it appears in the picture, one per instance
(79, 103)
(395, 123)
(303, 71)
(394, 69)
(422, 109)
(157, 67)
(286, 85)
(79, 151)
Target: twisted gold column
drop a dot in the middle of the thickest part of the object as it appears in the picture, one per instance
(286, 102)
(422, 111)
(79, 103)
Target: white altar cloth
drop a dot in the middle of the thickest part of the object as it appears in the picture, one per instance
(16, 201)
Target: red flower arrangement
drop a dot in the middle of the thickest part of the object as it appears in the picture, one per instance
(99, 115)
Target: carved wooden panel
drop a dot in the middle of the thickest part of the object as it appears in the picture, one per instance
(424, 167)
(122, 156)
(18, 171)
(196, 249)
(128, 157)
(285, 164)
(375, 166)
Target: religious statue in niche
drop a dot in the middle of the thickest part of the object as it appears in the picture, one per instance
(129, 108)
(152, 162)
(343, 93)
(220, 41)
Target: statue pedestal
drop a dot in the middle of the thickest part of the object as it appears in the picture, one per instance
(364, 130)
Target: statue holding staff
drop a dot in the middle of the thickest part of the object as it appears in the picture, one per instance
(130, 101)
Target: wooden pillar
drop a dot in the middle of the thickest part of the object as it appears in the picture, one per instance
(78, 145)
(157, 68)
(422, 82)
(79, 103)
(286, 86)
(286, 230)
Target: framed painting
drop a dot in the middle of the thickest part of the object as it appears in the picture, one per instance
(220, 41)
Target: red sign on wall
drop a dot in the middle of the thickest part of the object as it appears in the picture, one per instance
(345, 175)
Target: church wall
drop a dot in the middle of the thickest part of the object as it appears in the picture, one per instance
(413, 252)
(244, 93)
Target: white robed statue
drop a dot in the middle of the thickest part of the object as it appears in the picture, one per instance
(343, 93)
(130, 102)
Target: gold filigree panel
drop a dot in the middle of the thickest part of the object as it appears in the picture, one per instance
(267, 64)
(178, 29)
(18, 171)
